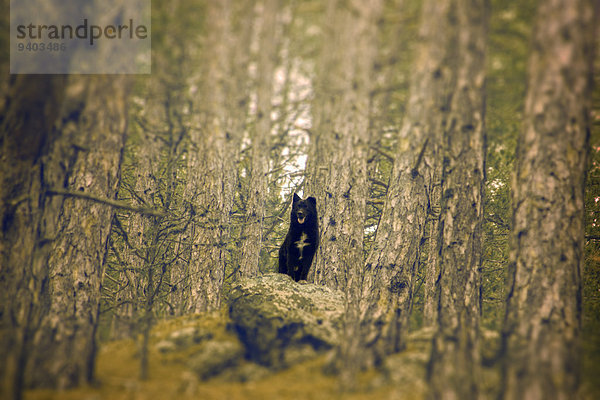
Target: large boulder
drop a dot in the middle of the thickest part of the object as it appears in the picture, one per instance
(281, 322)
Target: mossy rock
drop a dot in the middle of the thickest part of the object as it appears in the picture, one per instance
(282, 322)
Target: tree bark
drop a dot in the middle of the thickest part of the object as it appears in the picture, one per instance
(260, 137)
(338, 169)
(543, 314)
(454, 366)
(31, 108)
(340, 136)
(64, 348)
(53, 280)
(215, 148)
(433, 185)
(431, 270)
(394, 257)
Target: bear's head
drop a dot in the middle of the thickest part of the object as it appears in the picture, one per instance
(303, 211)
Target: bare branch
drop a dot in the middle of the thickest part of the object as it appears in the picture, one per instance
(113, 203)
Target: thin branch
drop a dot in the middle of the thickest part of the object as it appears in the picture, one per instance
(378, 182)
(109, 202)
(383, 153)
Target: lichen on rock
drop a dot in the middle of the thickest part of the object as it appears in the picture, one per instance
(281, 322)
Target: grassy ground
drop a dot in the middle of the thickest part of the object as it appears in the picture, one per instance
(118, 369)
(170, 378)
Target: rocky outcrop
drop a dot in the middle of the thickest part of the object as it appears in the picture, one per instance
(281, 322)
(272, 323)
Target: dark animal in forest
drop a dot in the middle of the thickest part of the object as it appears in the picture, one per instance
(302, 240)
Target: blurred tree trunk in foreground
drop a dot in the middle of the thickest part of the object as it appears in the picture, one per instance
(454, 365)
(543, 315)
(31, 109)
(65, 345)
(61, 158)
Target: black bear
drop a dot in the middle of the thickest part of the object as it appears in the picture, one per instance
(300, 245)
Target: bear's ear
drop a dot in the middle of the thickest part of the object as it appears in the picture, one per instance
(312, 200)
(296, 198)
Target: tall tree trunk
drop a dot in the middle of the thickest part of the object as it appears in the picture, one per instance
(205, 168)
(260, 138)
(337, 171)
(64, 347)
(342, 121)
(394, 257)
(135, 233)
(215, 148)
(54, 278)
(543, 315)
(454, 365)
(31, 108)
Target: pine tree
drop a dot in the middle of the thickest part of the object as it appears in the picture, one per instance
(543, 314)
(454, 366)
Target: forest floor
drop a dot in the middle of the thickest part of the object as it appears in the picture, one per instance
(118, 367)
(170, 377)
